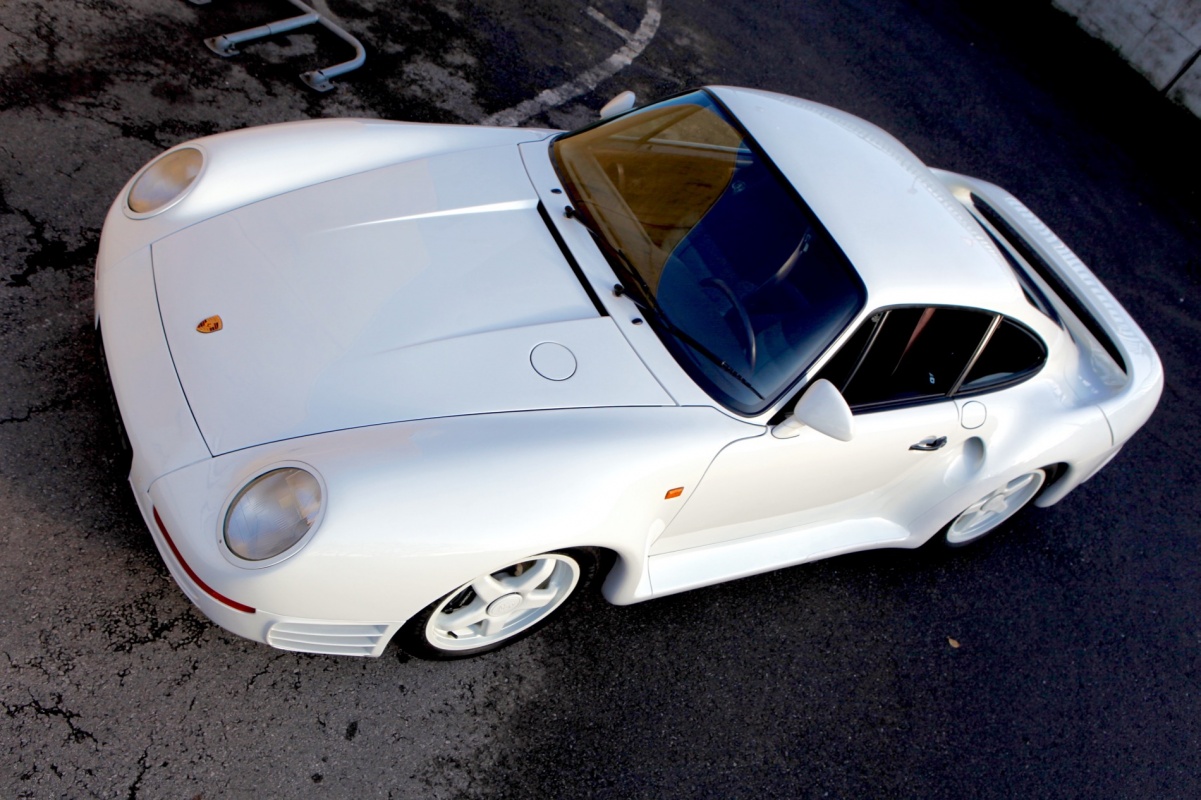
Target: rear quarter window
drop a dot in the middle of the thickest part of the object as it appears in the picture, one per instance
(1011, 355)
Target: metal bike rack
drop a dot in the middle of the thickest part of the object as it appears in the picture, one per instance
(226, 44)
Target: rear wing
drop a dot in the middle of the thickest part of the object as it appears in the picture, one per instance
(1119, 352)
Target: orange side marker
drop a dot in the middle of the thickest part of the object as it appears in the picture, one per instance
(672, 494)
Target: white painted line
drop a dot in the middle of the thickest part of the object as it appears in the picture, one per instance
(608, 23)
(586, 81)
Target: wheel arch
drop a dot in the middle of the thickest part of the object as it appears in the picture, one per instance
(1069, 475)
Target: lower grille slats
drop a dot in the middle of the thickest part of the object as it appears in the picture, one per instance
(329, 637)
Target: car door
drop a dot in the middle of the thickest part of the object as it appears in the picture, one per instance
(898, 373)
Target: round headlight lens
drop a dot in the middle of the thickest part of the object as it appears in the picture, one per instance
(165, 180)
(272, 513)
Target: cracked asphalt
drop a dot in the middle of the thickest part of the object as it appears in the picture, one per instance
(1078, 628)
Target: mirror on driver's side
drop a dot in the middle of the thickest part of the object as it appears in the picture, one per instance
(822, 408)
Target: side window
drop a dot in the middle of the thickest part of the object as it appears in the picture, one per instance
(905, 355)
(1012, 354)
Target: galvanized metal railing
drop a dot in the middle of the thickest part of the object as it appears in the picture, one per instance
(226, 44)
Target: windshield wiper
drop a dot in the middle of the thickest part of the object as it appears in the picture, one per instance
(617, 258)
(644, 298)
(653, 310)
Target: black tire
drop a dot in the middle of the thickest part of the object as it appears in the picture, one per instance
(568, 574)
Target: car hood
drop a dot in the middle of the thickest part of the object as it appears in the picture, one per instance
(423, 289)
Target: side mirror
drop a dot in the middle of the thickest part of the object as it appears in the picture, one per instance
(618, 105)
(822, 408)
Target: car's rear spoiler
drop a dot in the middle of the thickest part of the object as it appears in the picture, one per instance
(1135, 379)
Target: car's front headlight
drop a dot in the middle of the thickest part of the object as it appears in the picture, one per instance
(272, 513)
(164, 181)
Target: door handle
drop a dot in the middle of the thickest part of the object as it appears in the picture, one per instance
(929, 443)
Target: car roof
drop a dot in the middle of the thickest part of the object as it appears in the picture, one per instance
(910, 240)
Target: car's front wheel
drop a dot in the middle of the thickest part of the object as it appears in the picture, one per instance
(498, 608)
(988, 512)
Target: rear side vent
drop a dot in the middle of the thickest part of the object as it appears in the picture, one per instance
(1048, 274)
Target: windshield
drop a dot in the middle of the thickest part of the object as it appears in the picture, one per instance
(746, 286)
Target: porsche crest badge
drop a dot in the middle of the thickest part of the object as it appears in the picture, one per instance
(210, 325)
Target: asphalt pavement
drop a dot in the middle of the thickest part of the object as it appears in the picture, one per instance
(1058, 658)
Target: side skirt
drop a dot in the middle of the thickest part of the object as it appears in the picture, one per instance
(703, 566)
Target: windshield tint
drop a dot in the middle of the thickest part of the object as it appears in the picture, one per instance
(748, 286)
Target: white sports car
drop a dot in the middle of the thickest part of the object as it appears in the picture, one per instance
(424, 382)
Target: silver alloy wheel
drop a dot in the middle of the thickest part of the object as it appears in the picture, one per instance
(502, 604)
(994, 508)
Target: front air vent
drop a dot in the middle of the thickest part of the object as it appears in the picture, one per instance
(328, 637)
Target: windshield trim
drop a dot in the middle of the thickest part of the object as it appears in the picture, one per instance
(670, 335)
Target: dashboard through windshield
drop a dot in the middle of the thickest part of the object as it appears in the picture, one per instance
(742, 282)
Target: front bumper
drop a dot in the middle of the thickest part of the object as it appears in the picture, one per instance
(163, 436)
(329, 637)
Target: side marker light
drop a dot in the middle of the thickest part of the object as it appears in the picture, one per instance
(672, 494)
(210, 591)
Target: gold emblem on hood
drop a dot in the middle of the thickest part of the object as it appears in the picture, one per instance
(210, 324)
